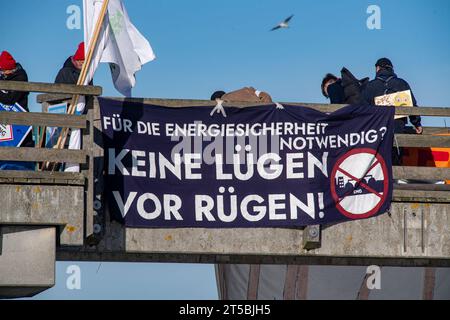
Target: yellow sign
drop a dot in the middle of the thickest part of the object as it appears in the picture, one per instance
(397, 99)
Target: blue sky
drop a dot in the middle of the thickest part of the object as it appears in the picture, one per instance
(133, 281)
(206, 45)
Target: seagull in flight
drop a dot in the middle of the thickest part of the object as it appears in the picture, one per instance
(283, 24)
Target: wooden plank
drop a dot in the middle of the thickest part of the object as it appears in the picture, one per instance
(175, 103)
(253, 282)
(429, 282)
(424, 111)
(50, 88)
(47, 181)
(417, 111)
(98, 156)
(34, 154)
(421, 173)
(34, 181)
(88, 145)
(221, 283)
(53, 98)
(289, 282)
(421, 196)
(41, 175)
(43, 119)
(430, 130)
(416, 140)
(429, 187)
(64, 182)
(301, 283)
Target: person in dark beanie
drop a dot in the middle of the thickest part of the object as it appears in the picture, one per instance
(387, 82)
(332, 89)
(217, 95)
(344, 90)
(70, 72)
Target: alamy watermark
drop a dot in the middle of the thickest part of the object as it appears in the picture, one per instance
(73, 21)
(73, 281)
(374, 20)
(373, 281)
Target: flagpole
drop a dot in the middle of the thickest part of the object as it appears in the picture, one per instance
(83, 74)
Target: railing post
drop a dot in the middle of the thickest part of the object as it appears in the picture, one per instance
(88, 170)
(98, 157)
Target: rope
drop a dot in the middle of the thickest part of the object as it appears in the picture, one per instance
(279, 106)
(218, 108)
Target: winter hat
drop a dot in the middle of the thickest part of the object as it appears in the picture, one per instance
(384, 63)
(79, 55)
(7, 62)
(217, 95)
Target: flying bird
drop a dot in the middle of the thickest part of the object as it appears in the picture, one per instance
(283, 24)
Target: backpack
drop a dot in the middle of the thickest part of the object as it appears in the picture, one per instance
(352, 87)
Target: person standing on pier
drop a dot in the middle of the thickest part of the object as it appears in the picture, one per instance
(70, 72)
(10, 70)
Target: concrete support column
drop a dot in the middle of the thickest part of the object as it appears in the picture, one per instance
(27, 260)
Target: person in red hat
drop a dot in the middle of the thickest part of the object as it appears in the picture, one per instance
(70, 72)
(10, 70)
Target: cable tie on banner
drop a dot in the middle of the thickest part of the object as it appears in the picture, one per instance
(279, 106)
(396, 145)
(218, 108)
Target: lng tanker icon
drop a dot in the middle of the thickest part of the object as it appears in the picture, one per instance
(347, 186)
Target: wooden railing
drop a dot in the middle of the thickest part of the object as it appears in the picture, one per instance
(42, 120)
(50, 88)
(61, 93)
(46, 120)
(90, 126)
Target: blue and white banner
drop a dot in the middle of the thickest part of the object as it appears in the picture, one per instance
(13, 135)
(257, 167)
(52, 133)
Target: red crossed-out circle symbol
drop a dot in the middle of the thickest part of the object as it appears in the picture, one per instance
(359, 183)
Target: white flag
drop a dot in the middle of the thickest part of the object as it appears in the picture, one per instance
(120, 44)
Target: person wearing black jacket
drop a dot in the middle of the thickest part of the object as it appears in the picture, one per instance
(387, 82)
(346, 90)
(10, 70)
(70, 72)
(353, 87)
(332, 89)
